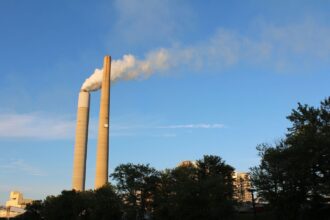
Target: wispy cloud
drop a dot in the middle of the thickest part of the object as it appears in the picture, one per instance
(20, 166)
(194, 126)
(158, 131)
(49, 127)
(35, 125)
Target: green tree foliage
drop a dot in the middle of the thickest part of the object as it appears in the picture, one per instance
(99, 204)
(293, 175)
(196, 191)
(136, 185)
(177, 195)
(217, 191)
(309, 137)
(33, 211)
(107, 205)
(191, 192)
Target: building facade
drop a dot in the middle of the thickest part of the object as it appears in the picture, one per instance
(15, 205)
(242, 184)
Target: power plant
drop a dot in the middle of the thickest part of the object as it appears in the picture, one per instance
(80, 148)
(127, 68)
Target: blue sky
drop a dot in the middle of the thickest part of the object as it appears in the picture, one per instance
(249, 64)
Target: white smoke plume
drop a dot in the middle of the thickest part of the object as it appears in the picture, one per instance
(291, 48)
(129, 68)
(94, 81)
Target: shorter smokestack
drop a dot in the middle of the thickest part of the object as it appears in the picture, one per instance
(80, 148)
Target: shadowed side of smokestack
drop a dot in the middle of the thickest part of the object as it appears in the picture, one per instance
(80, 148)
(102, 154)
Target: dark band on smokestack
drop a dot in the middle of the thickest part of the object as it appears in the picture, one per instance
(80, 148)
(102, 154)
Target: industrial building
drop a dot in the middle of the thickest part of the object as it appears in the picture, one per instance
(80, 148)
(15, 205)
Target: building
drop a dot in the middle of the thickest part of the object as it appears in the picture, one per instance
(187, 163)
(242, 185)
(15, 205)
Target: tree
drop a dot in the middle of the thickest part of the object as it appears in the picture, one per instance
(310, 137)
(217, 190)
(136, 185)
(32, 211)
(278, 181)
(164, 201)
(195, 191)
(203, 190)
(106, 204)
(100, 204)
(294, 174)
(184, 194)
(66, 206)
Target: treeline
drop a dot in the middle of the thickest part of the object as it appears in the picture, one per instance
(294, 174)
(201, 190)
(292, 182)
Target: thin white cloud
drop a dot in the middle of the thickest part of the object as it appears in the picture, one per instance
(20, 166)
(35, 125)
(49, 127)
(41, 126)
(193, 126)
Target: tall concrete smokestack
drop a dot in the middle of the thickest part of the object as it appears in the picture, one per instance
(102, 154)
(80, 149)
